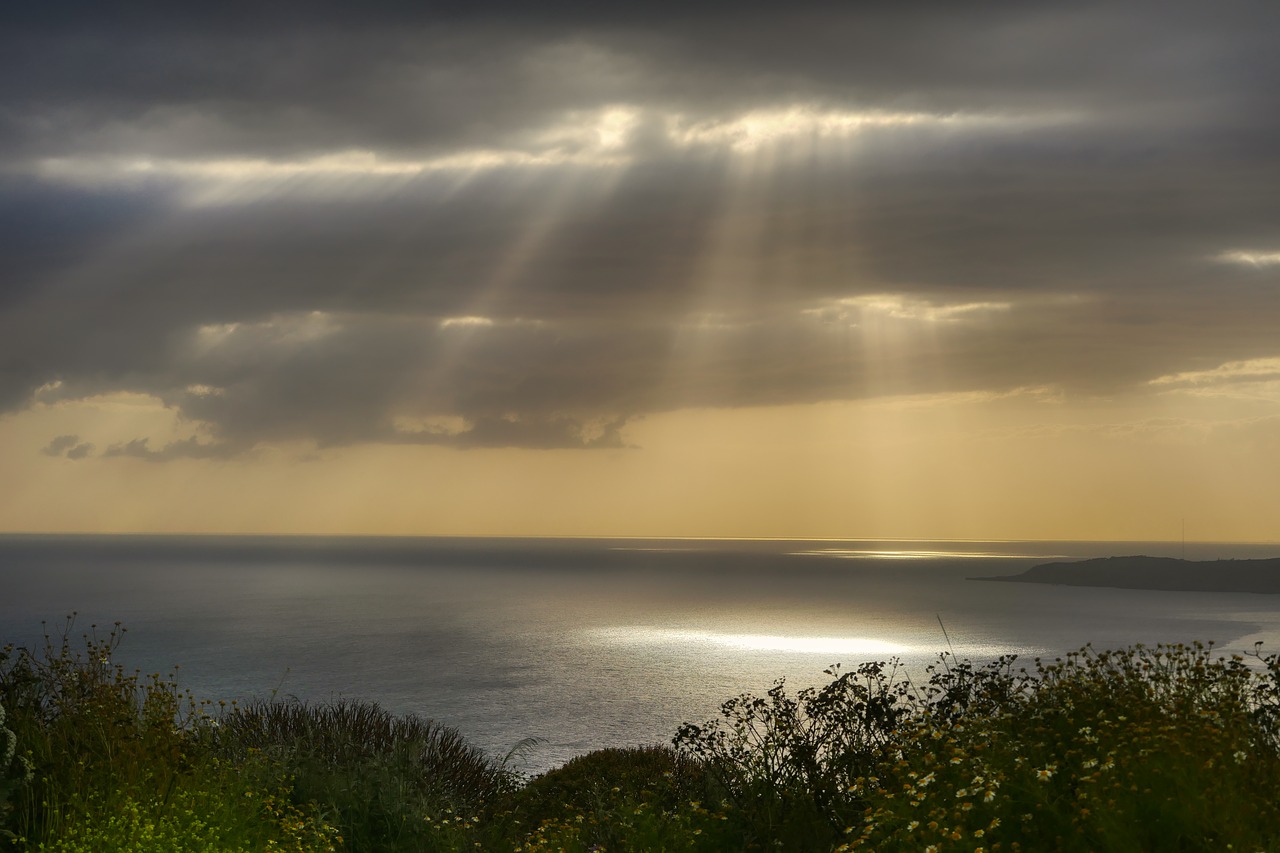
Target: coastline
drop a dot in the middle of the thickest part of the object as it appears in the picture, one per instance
(1156, 573)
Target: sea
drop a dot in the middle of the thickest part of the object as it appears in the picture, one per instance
(581, 643)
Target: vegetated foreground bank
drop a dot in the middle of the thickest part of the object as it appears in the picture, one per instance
(1166, 748)
(1162, 573)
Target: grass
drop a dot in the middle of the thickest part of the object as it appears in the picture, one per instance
(1167, 748)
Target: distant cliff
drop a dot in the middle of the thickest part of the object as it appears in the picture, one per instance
(1166, 573)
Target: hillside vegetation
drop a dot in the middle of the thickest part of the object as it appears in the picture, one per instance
(1166, 748)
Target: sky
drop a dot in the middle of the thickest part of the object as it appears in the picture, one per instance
(874, 270)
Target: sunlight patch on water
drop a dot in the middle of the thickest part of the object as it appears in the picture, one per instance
(750, 642)
(846, 553)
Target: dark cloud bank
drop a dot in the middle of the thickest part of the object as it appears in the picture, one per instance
(1055, 213)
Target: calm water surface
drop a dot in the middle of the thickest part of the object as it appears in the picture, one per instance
(586, 643)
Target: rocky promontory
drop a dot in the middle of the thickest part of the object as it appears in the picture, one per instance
(1163, 573)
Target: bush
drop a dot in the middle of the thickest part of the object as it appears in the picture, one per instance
(633, 799)
(388, 781)
(209, 819)
(119, 762)
(15, 770)
(1142, 749)
(589, 780)
(86, 726)
(786, 763)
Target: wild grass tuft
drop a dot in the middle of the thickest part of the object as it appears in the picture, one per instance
(386, 780)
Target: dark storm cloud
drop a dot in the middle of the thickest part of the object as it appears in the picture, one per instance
(1079, 166)
(179, 80)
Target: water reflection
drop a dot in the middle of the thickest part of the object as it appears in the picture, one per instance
(751, 642)
(853, 554)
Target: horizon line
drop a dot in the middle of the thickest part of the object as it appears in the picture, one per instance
(613, 537)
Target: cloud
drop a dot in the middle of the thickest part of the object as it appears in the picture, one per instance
(424, 81)
(315, 227)
(69, 446)
(1249, 373)
(60, 444)
(189, 448)
(606, 138)
(1250, 258)
(80, 451)
(554, 433)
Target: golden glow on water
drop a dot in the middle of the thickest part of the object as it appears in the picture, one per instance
(751, 642)
(856, 554)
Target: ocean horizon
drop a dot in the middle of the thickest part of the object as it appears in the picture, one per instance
(584, 643)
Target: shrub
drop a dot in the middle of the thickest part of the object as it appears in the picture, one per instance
(786, 764)
(633, 799)
(1141, 749)
(15, 770)
(226, 818)
(388, 781)
(87, 725)
(119, 761)
(589, 780)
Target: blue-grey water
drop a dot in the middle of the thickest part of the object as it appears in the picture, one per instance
(586, 643)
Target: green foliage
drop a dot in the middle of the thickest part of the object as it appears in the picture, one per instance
(786, 763)
(631, 823)
(15, 770)
(86, 725)
(587, 780)
(390, 782)
(115, 756)
(641, 798)
(230, 818)
(1142, 749)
